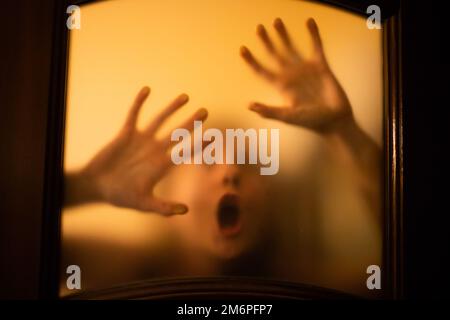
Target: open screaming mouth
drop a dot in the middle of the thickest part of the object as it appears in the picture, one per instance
(229, 215)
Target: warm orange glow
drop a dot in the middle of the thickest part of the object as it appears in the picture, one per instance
(193, 47)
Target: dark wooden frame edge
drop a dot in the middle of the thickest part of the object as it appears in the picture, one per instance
(393, 137)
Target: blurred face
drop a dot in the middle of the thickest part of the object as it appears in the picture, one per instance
(229, 210)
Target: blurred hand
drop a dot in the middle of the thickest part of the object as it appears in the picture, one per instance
(127, 169)
(315, 99)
